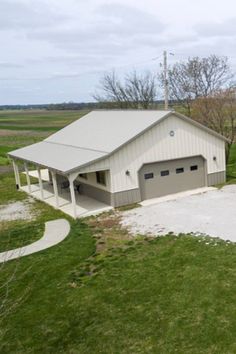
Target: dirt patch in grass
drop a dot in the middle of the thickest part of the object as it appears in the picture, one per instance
(111, 241)
(108, 231)
(16, 211)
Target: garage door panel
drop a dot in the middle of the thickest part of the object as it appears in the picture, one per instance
(168, 177)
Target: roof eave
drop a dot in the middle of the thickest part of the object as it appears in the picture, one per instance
(14, 157)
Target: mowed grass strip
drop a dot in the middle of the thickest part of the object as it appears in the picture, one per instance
(40, 114)
(34, 128)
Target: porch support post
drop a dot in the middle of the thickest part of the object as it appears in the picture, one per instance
(40, 182)
(71, 179)
(16, 173)
(55, 188)
(27, 177)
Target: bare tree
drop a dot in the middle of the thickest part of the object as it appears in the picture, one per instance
(218, 112)
(198, 77)
(136, 90)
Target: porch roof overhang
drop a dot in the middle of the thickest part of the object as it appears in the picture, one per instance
(59, 157)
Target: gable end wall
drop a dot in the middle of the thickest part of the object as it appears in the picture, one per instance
(156, 144)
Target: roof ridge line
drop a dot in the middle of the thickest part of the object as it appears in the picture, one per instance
(76, 147)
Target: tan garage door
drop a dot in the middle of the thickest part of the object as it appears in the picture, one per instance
(173, 176)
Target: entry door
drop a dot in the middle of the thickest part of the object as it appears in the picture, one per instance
(172, 176)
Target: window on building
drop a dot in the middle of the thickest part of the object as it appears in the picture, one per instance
(194, 168)
(83, 175)
(179, 170)
(148, 175)
(165, 173)
(101, 177)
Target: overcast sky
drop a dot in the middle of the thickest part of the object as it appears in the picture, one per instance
(56, 50)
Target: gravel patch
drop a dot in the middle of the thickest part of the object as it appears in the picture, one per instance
(212, 213)
(16, 211)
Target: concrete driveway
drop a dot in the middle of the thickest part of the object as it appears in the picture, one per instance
(211, 213)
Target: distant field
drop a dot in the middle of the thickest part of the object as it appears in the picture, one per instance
(21, 128)
(40, 120)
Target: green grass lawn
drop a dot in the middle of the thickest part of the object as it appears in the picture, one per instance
(140, 295)
(3, 155)
(231, 168)
(19, 233)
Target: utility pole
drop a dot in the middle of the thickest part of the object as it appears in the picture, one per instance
(165, 79)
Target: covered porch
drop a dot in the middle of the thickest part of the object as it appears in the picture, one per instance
(65, 197)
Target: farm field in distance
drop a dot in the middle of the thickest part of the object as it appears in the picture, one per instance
(25, 127)
(38, 120)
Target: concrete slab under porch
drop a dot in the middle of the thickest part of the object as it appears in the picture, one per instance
(85, 206)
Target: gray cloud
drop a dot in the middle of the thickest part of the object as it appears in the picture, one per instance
(57, 50)
(127, 20)
(217, 29)
(114, 28)
(77, 60)
(166, 40)
(10, 65)
(24, 15)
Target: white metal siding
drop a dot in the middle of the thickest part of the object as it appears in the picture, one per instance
(156, 144)
(92, 181)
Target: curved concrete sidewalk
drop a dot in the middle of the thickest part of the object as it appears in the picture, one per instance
(55, 232)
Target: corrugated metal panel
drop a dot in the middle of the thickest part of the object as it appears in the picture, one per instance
(59, 157)
(216, 178)
(106, 130)
(125, 197)
(92, 180)
(156, 144)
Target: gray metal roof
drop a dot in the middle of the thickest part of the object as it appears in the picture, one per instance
(88, 139)
(93, 137)
(106, 130)
(56, 156)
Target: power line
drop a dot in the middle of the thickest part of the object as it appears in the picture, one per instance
(71, 76)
